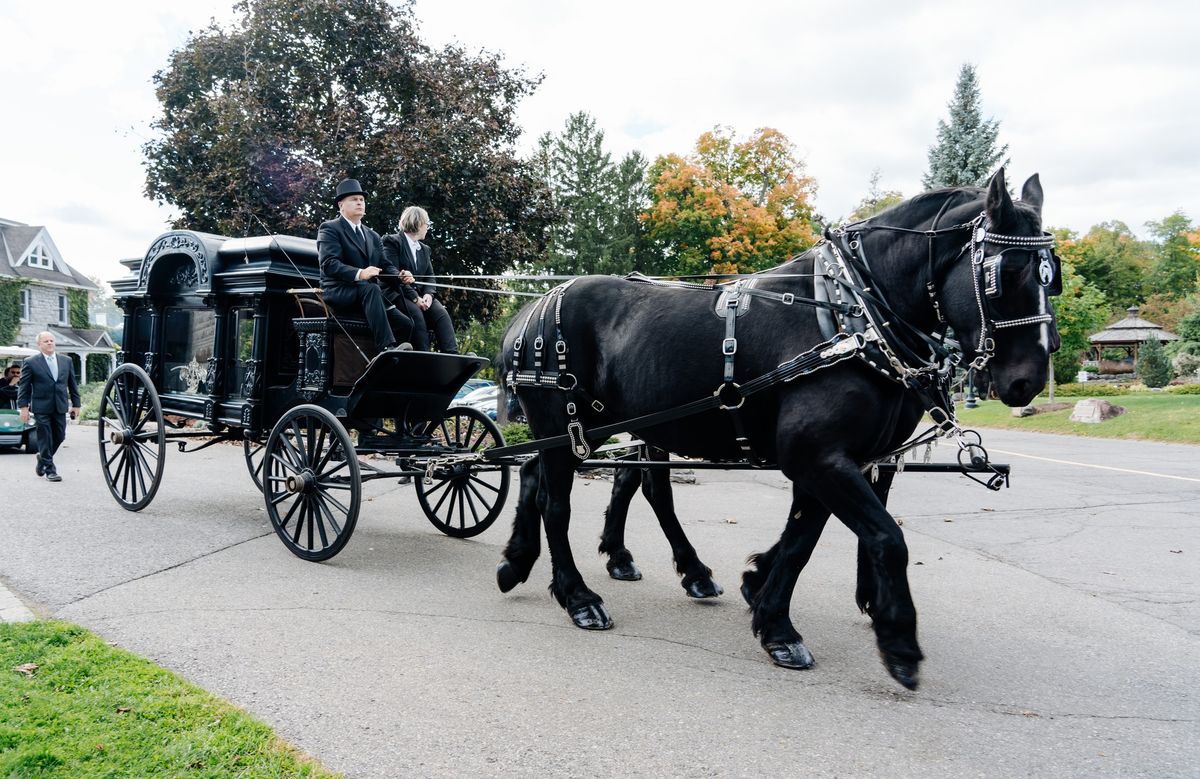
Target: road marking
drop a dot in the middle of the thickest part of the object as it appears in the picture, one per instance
(1101, 467)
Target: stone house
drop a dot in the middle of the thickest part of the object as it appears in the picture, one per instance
(28, 252)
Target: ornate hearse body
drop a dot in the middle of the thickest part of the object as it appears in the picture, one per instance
(232, 331)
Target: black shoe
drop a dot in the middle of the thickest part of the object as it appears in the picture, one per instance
(53, 477)
(38, 469)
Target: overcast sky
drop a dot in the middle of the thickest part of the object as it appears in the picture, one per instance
(1098, 97)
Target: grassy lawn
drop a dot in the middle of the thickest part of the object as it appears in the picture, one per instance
(1148, 417)
(73, 706)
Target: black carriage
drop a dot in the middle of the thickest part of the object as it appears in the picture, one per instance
(232, 332)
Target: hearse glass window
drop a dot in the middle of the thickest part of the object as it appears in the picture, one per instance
(187, 345)
(243, 348)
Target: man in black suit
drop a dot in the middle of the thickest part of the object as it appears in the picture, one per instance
(408, 252)
(351, 257)
(47, 379)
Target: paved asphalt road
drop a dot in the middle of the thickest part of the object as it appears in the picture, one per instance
(1060, 619)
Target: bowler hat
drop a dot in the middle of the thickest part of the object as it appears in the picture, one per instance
(347, 188)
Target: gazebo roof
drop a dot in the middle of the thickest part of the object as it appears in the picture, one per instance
(1131, 330)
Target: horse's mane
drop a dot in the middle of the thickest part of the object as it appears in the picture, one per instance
(921, 209)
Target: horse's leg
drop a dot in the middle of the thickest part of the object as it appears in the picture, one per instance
(525, 544)
(845, 491)
(697, 578)
(585, 607)
(612, 539)
(769, 584)
(865, 589)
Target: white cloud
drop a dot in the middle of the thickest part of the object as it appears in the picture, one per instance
(1096, 96)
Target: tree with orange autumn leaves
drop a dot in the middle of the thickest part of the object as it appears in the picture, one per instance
(733, 206)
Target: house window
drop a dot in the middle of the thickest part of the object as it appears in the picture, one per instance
(26, 304)
(64, 310)
(40, 258)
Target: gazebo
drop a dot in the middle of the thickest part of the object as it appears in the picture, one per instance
(1128, 334)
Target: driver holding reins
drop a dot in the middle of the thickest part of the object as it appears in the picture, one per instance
(351, 257)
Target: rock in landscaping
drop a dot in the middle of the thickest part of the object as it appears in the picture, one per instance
(1095, 410)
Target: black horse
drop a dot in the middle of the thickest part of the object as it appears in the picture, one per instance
(820, 380)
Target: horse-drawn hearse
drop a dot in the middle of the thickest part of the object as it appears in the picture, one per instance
(232, 332)
(822, 367)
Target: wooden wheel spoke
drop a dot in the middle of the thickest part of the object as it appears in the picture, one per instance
(295, 456)
(318, 519)
(330, 499)
(467, 499)
(330, 518)
(285, 462)
(476, 480)
(446, 494)
(344, 464)
(299, 528)
(295, 440)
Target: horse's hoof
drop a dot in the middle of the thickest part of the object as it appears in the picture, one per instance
(790, 654)
(702, 588)
(591, 616)
(507, 576)
(626, 571)
(903, 671)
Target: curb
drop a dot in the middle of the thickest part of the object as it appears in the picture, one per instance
(12, 609)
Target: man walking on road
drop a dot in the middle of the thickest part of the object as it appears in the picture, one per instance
(46, 381)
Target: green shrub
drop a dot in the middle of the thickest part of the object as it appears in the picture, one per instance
(1185, 389)
(1088, 390)
(1153, 367)
(89, 396)
(516, 433)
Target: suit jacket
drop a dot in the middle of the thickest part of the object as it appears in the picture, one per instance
(399, 253)
(342, 255)
(41, 392)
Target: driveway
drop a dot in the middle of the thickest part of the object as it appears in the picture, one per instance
(1059, 619)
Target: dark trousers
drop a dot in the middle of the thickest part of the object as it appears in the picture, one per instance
(435, 320)
(51, 430)
(388, 324)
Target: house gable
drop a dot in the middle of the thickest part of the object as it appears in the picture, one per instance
(29, 252)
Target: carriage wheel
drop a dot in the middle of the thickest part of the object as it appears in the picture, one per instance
(464, 500)
(133, 442)
(311, 482)
(254, 451)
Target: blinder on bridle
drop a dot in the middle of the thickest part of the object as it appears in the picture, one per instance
(1049, 268)
(988, 274)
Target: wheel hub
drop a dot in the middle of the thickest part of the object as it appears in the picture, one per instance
(120, 437)
(300, 482)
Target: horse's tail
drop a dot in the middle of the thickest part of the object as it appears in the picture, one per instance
(512, 404)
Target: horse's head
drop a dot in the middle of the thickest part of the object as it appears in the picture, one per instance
(998, 301)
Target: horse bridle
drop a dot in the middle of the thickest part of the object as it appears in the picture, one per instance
(985, 272)
(986, 281)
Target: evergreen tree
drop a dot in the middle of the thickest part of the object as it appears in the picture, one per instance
(965, 153)
(1153, 366)
(599, 230)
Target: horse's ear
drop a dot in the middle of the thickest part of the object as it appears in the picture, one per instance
(1031, 193)
(999, 205)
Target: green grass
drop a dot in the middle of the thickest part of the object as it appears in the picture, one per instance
(1168, 417)
(90, 709)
